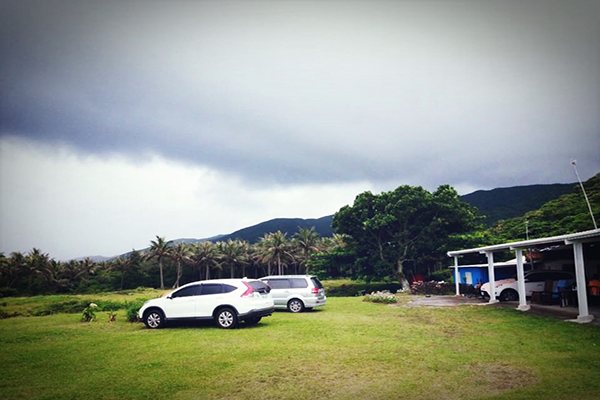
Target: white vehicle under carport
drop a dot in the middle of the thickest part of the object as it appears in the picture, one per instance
(535, 281)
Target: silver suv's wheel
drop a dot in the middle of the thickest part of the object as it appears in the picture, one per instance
(154, 319)
(226, 318)
(296, 306)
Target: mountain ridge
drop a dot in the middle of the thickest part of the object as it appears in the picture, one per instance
(497, 204)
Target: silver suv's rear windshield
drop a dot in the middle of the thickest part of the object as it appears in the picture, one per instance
(316, 282)
(259, 287)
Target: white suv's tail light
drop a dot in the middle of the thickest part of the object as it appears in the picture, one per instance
(314, 290)
(248, 292)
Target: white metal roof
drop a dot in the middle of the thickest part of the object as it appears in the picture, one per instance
(594, 233)
(509, 263)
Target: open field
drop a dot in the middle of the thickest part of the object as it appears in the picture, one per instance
(350, 349)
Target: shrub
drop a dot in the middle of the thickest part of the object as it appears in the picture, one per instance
(77, 306)
(354, 288)
(88, 314)
(133, 308)
(432, 287)
(381, 297)
(4, 314)
(67, 306)
(8, 292)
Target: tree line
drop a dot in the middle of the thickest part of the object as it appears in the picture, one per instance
(399, 235)
(165, 264)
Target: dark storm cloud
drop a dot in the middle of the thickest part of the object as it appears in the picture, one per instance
(479, 92)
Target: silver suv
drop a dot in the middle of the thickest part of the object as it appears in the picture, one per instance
(296, 292)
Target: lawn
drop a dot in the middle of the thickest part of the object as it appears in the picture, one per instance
(349, 349)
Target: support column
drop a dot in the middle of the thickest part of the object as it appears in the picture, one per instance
(490, 258)
(584, 315)
(456, 276)
(523, 306)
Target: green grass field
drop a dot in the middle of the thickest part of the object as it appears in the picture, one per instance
(348, 350)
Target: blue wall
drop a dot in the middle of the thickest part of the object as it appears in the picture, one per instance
(480, 274)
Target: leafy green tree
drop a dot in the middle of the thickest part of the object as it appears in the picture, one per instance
(159, 249)
(403, 227)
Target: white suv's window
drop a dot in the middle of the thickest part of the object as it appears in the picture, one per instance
(211, 288)
(187, 291)
(228, 288)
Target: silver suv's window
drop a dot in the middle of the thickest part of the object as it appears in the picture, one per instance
(298, 283)
(187, 291)
(317, 283)
(279, 283)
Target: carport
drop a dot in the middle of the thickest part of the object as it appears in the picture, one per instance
(576, 240)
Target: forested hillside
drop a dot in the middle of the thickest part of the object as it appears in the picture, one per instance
(289, 226)
(510, 202)
(567, 214)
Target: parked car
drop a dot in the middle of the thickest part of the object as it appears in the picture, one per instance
(296, 292)
(226, 301)
(535, 281)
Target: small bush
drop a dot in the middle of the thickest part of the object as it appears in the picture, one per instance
(358, 288)
(132, 309)
(77, 306)
(8, 292)
(381, 297)
(4, 314)
(432, 287)
(89, 314)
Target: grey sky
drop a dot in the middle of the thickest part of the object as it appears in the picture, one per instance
(290, 96)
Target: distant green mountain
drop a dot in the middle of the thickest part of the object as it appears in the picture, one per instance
(286, 225)
(504, 203)
(497, 204)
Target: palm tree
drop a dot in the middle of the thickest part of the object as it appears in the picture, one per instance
(180, 254)
(56, 275)
(120, 264)
(275, 249)
(35, 261)
(204, 255)
(12, 268)
(159, 249)
(233, 254)
(306, 241)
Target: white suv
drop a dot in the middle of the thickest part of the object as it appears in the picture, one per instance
(296, 292)
(226, 301)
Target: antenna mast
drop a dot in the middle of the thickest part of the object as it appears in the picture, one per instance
(574, 163)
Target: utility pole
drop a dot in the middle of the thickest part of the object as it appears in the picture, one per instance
(574, 163)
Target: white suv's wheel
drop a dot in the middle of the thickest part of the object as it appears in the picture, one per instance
(226, 318)
(295, 306)
(154, 319)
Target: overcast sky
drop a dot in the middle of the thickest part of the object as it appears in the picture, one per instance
(128, 119)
